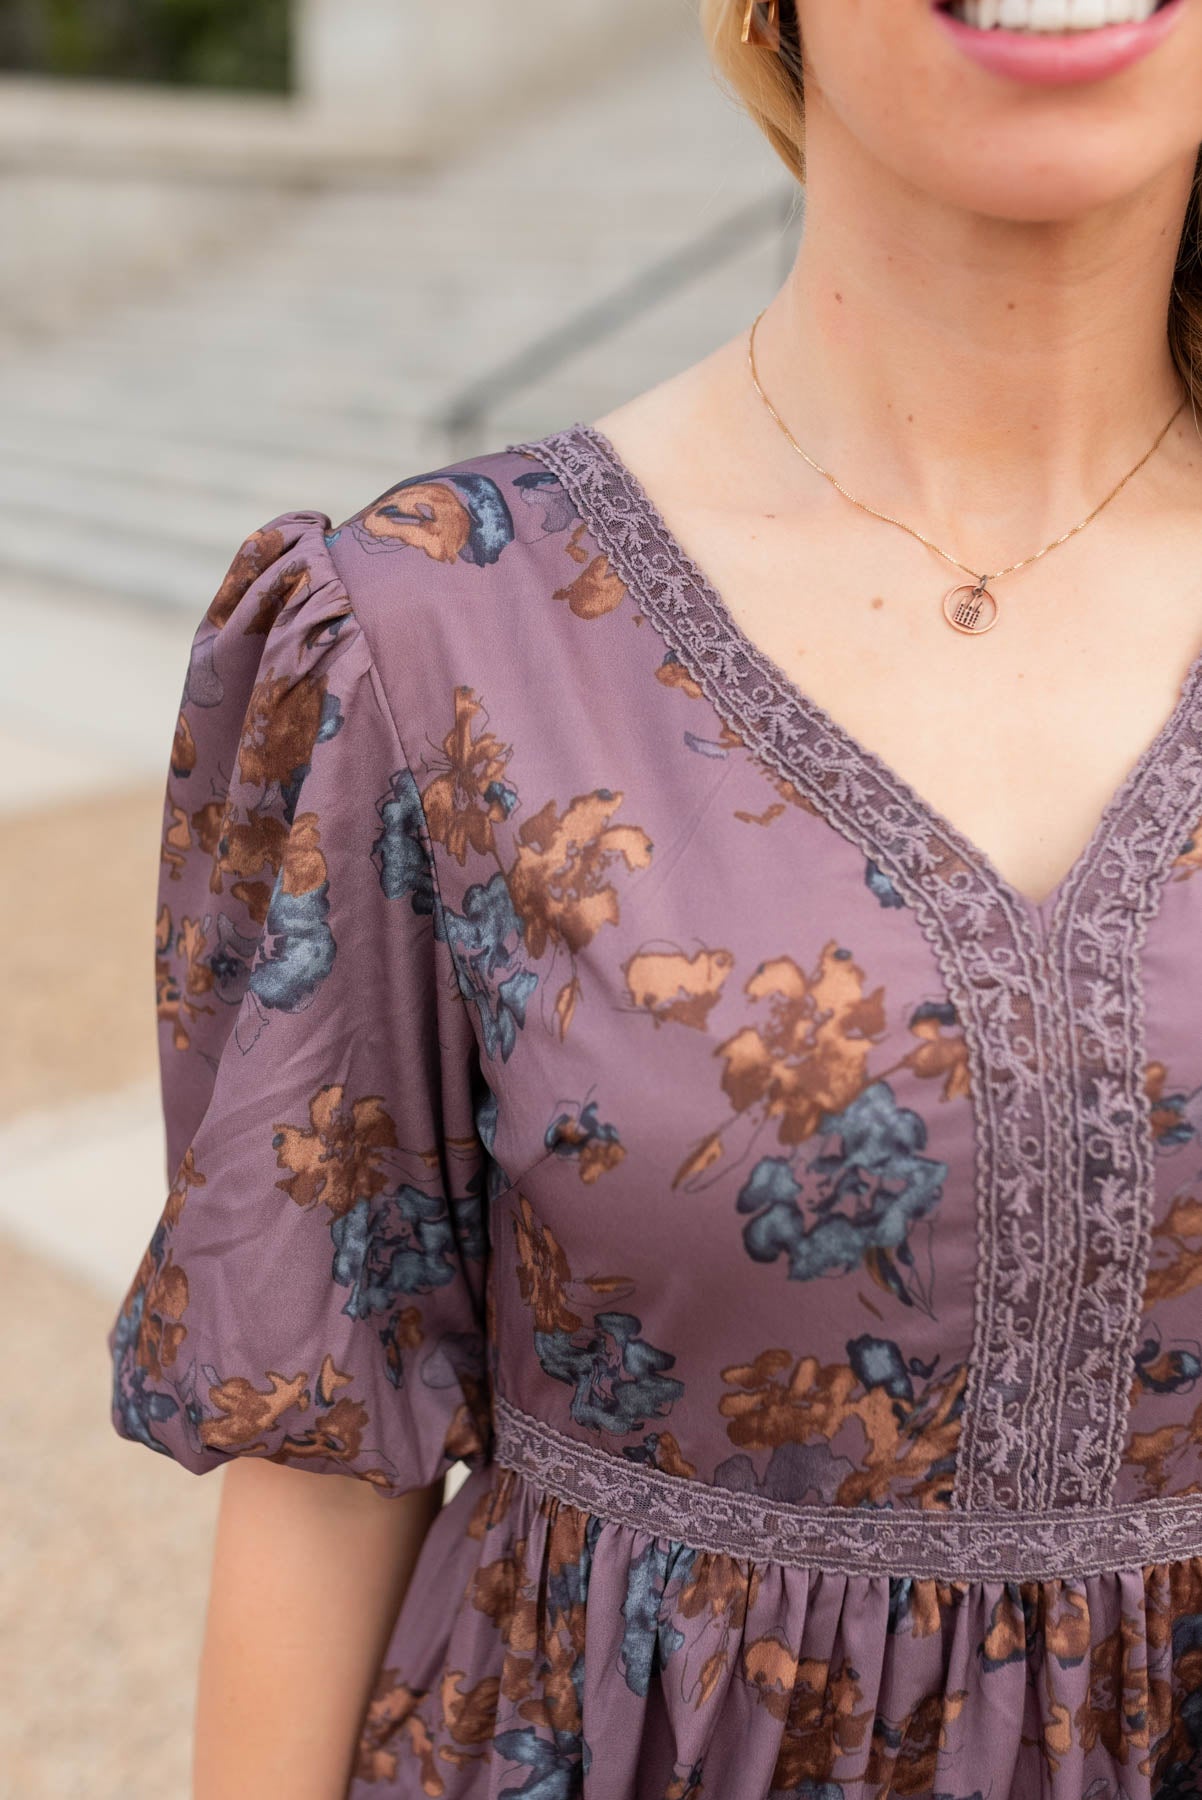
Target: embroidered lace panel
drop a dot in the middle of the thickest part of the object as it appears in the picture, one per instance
(1053, 1022)
(845, 1540)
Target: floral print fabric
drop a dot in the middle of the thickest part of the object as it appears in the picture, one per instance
(583, 1059)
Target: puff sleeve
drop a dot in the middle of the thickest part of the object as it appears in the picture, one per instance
(314, 1289)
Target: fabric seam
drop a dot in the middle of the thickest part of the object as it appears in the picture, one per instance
(386, 708)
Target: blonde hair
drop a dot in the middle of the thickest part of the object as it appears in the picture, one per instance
(770, 88)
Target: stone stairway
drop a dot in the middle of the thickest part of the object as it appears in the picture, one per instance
(312, 367)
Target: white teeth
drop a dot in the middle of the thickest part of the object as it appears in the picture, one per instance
(1051, 15)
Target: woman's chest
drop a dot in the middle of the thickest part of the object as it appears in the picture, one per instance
(1021, 735)
(736, 1121)
(809, 1135)
(791, 1094)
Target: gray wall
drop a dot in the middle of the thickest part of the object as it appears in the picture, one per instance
(424, 73)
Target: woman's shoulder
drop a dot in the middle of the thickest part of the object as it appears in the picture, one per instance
(489, 573)
(440, 545)
(482, 571)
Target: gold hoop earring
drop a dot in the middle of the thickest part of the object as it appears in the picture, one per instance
(761, 24)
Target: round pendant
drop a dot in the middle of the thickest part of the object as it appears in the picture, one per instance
(970, 608)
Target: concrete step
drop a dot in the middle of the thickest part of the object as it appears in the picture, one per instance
(314, 366)
(253, 472)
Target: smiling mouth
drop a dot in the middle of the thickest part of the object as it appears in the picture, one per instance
(1050, 16)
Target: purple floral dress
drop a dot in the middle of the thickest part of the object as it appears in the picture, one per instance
(583, 1058)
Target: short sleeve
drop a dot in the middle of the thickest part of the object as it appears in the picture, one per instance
(314, 1290)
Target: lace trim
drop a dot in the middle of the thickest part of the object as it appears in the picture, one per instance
(1096, 937)
(945, 1546)
(1054, 1027)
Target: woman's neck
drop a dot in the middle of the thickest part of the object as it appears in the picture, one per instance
(964, 369)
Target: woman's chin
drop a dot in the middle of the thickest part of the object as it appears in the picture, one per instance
(915, 85)
(1045, 193)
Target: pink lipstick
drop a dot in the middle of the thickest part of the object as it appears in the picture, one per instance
(1044, 58)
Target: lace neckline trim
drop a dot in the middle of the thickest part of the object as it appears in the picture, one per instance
(1054, 904)
(1053, 1021)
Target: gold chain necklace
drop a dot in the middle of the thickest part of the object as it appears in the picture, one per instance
(969, 608)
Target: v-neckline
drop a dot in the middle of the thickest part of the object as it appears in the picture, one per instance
(1051, 1009)
(1043, 915)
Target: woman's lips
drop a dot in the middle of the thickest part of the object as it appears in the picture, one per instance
(1050, 59)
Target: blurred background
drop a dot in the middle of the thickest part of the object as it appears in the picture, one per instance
(256, 257)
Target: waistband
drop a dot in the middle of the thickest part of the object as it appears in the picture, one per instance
(944, 1546)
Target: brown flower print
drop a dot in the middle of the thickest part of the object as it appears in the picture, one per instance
(595, 591)
(939, 1055)
(427, 515)
(467, 797)
(675, 988)
(828, 1719)
(897, 1450)
(558, 880)
(283, 717)
(905, 1752)
(810, 1055)
(341, 1157)
(165, 1300)
(253, 558)
(806, 1057)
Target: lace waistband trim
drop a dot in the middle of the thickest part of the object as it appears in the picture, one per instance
(945, 1546)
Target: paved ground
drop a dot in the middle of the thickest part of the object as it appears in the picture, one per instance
(312, 368)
